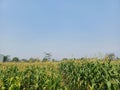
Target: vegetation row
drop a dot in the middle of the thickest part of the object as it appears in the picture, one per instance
(63, 75)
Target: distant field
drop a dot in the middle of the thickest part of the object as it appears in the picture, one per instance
(63, 75)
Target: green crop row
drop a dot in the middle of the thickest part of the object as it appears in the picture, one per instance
(66, 75)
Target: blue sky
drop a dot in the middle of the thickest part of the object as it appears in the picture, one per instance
(65, 28)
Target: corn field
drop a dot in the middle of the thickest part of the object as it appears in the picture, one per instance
(63, 75)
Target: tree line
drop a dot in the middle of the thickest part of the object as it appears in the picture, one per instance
(48, 56)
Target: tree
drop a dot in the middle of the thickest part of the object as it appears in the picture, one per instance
(6, 58)
(110, 56)
(47, 57)
(15, 59)
(53, 60)
(117, 58)
(24, 60)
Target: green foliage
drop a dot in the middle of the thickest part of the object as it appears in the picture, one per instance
(91, 76)
(6, 58)
(47, 57)
(110, 56)
(64, 75)
(15, 59)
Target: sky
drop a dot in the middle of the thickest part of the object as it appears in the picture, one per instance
(64, 28)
